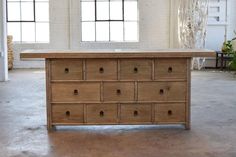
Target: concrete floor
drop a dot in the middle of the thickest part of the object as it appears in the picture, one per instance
(23, 131)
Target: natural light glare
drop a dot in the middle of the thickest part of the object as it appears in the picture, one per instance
(117, 31)
(102, 31)
(88, 11)
(88, 33)
(103, 10)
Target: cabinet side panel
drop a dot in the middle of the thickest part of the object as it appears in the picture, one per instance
(48, 92)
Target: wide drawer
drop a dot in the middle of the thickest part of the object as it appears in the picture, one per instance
(75, 92)
(67, 113)
(118, 91)
(135, 69)
(171, 68)
(170, 113)
(162, 91)
(101, 69)
(136, 113)
(66, 69)
(102, 113)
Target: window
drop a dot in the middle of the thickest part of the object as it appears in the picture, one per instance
(28, 20)
(109, 20)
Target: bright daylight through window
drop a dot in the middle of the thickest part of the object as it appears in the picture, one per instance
(28, 20)
(109, 20)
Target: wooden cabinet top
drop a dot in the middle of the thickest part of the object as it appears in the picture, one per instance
(118, 53)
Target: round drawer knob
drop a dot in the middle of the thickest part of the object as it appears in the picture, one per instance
(67, 113)
(67, 70)
(170, 70)
(161, 92)
(135, 70)
(76, 92)
(118, 92)
(135, 113)
(101, 70)
(101, 113)
(170, 113)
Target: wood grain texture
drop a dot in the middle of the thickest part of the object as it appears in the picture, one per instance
(136, 113)
(165, 53)
(136, 69)
(67, 69)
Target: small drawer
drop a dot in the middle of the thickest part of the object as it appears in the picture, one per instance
(135, 113)
(66, 69)
(136, 69)
(67, 113)
(170, 68)
(162, 91)
(102, 113)
(101, 69)
(117, 91)
(75, 92)
(170, 113)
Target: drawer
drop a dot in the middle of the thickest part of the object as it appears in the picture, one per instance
(101, 69)
(135, 113)
(102, 113)
(170, 68)
(117, 91)
(67, 113)
(67, 69)
(74, 92)
(136, 69)
(170, 113)
(162, 91)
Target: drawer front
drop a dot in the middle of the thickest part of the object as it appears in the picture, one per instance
(102, 113)
(101, 69)
(115, 91)
(67, 69)
(136, 113)
(171, 68)
(170, 113)
(162, 91)
(136, 69)
(74, 92)
(67, 113)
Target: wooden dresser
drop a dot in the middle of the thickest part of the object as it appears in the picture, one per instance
(118, 87)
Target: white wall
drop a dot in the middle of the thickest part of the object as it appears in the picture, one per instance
(154, 28)
(3, 47)
(65, 29)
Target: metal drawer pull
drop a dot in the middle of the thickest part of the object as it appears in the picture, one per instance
(67, 113)
(161, 91)
(67, 70)
(118, 92)
(135, 113)
(170, 70)
(101, 114)
(76, 92)
(135, 70)
(101, 70)
(170, 113)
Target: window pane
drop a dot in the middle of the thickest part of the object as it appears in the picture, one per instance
(42, 32)
(88, 31)
(116, 31)
(13, 11)
(116, 10)
(88, 11)
(14, 30)
(42, 11)
(103, 10)
(102, 30)
(27, 11)
(131, 31)
(131, 10)
(28, 32)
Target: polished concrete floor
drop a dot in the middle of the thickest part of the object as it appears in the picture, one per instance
(23, 131)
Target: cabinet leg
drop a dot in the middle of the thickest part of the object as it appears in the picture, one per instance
(51, 128)
(187, 126)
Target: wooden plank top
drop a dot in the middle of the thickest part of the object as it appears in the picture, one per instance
(118, 53)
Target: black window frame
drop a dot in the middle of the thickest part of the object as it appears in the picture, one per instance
(34, 12)
(109, 1)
